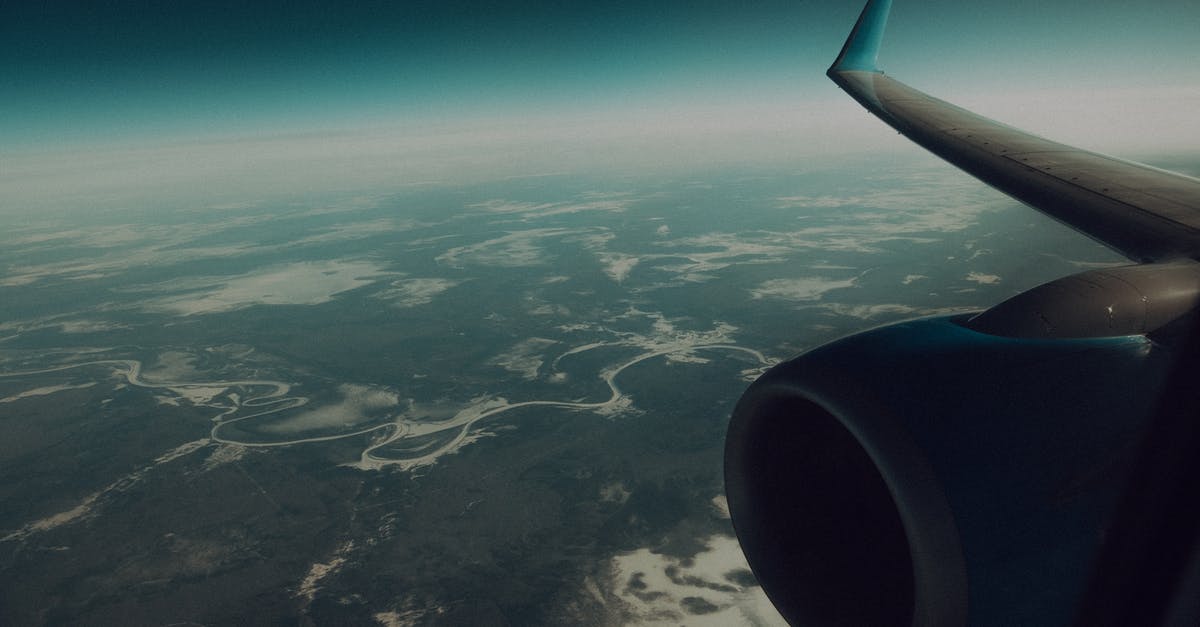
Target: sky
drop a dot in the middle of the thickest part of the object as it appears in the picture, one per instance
(445, 75)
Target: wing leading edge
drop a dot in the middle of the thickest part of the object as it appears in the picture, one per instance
(1144, 213)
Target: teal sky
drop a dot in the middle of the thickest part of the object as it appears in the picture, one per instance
(130, 70)
(137, 103)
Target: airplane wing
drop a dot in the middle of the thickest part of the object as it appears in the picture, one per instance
(1144, 213)
(964, 469)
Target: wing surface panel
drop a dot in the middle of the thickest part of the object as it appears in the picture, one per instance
(1144, 213)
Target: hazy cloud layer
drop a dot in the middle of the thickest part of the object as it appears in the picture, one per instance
(714, 587)
(799, 289)
(300, 283)
(359, 404)
(414, 292)
(532, 210)
(513, 250)
(982, 279)
(526, 358)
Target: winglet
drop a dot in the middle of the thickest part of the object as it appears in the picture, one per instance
(861, 50)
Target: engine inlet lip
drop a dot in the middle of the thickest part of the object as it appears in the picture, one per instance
(938, 577)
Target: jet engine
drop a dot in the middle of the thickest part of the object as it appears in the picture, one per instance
(951, 470)
(962, 470)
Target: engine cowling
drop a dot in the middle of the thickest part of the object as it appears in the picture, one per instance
(925, 473)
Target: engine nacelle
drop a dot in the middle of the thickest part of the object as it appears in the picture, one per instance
(925, 473)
